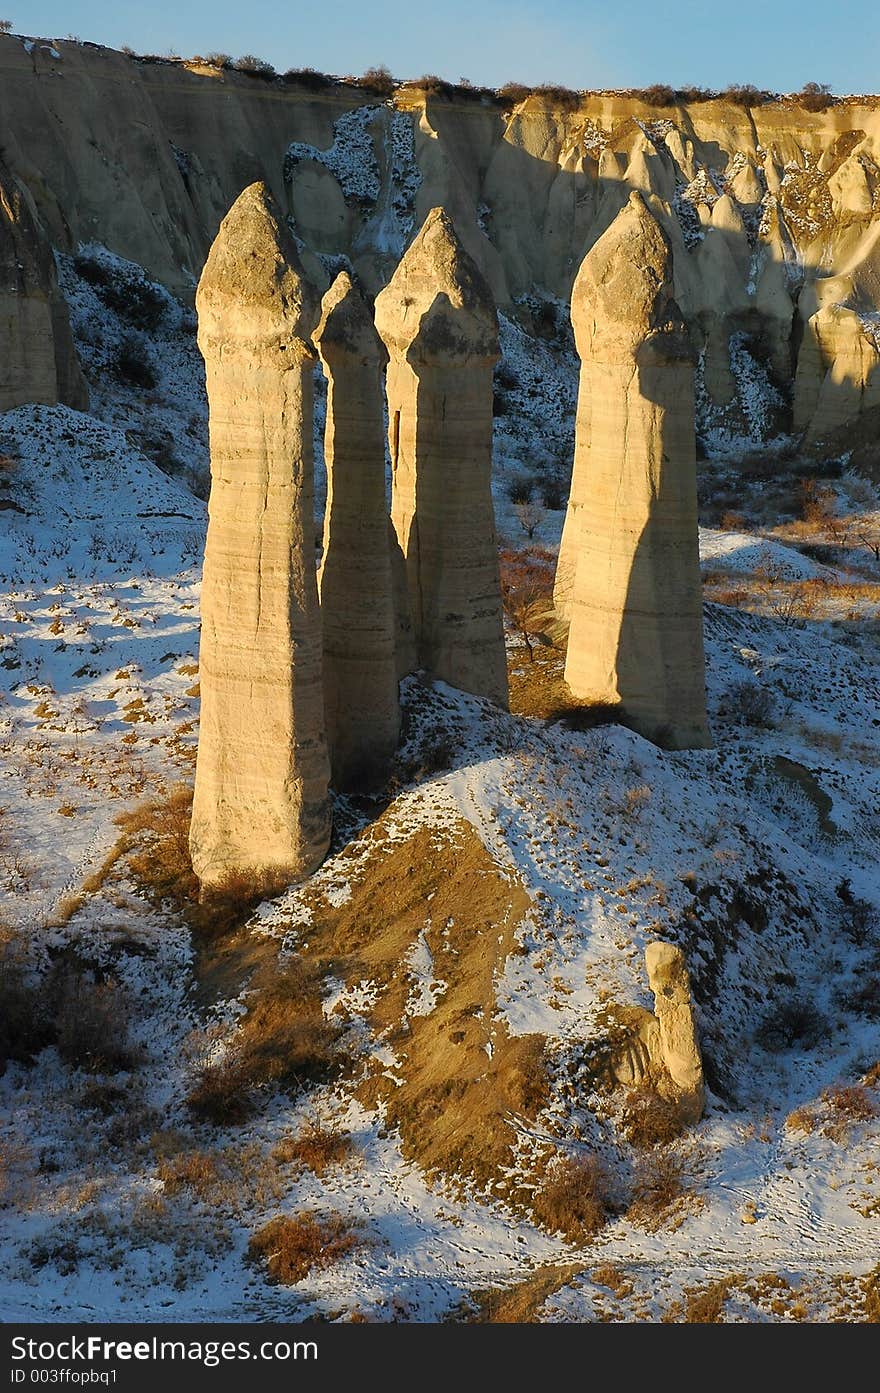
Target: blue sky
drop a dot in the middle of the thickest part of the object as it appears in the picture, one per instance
(778, 44)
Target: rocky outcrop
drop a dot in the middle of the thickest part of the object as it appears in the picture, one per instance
(261, 807)
(438, 322)
(673, 1007)
(357, 608)
(636, 637)
(838, 375)
(38, 361)
(659, 1050)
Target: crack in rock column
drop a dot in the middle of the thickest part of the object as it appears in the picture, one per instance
(261, 806)
(569, 545)
(439, 324)
(361, 699)
(636, 635)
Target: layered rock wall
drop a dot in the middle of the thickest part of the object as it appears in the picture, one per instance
(764, 207)
(38, 360)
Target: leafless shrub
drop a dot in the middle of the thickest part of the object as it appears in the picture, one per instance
(317, 1149)
(658, 1187)
(651, 1120)
(748, 703)
(575, 1198)
(791, 1021)
(815, 96)
(291, 1246)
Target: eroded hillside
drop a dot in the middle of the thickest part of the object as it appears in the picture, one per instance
(774, 211)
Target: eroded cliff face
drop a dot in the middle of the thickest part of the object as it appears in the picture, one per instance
(773, 213)
(38, 360)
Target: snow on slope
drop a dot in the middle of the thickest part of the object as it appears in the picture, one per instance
(736, 852)
(641, 842)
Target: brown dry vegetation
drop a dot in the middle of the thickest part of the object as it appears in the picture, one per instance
(291, 1246)
(519, 1304)
(659, 1191)
(453, 1104)
(316, 1149)
(75, 1006)
(575, 1199)
(283, 1041)
(701, 1305)
(650, 1119)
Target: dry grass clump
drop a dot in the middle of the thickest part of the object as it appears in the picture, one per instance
(650, 1119)
(574, 1199)
(701, 1306)
(607, 1275)
(284, 1040)
(155, 846)
(317, 1148)
(802, 1119)
(291, 1246)
(658, 1189)
(517, 1305)
(198, 1171)
(90, 1021)
(871, 1288)
(846, 1105)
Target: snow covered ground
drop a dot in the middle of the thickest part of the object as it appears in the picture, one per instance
(759, 856)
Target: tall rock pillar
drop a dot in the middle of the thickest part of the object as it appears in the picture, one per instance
(357, 607)
(438, 321)
(261, 804)
(636, 636)
(38, 361)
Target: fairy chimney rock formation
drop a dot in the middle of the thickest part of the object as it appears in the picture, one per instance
(357, 608)
(38, 361)
(261, 806)
(438, 321)
(636, 635)
(673, 1007)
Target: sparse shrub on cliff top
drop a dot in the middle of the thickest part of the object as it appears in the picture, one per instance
(251, 66)
(745, 94)
(309, 78)
(377, 80)
(512, 93)
(658, 94)
(565, 97)
(219, 60)
(815, 96)
(434, 86)
(5, 26)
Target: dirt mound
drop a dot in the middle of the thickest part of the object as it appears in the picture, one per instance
(430, 922)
